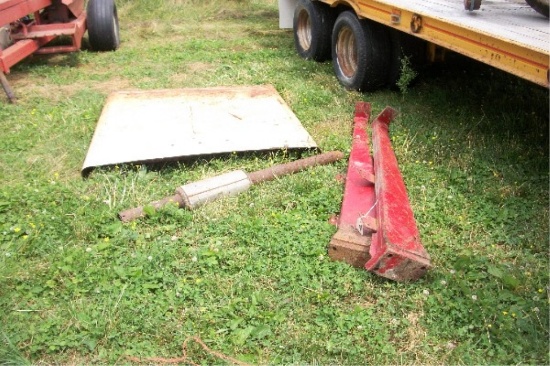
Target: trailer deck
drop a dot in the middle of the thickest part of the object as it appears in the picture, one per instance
(507, 34)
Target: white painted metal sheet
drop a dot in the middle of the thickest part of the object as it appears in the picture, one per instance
(155, 125)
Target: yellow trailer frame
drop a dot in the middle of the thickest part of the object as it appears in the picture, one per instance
(506, 34)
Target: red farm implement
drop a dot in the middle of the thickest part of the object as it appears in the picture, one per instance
(29, 26)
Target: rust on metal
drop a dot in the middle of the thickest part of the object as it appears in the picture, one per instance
(396, 251)
(348, 244)
(416, 23)
(212, 188)
(7, 88)
(137, 212)
(395, 16)
(50, 19)
(367, 225)
(376, 228)
(293, 167)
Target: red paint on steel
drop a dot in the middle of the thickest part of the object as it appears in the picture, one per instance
(77, 29)
(19, 51)
(358, 191)
(31, 37)
(347, 244)
(12, 10)
(396, 251)
(44, 30)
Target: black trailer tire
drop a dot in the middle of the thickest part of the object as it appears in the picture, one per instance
(360, 52)
(312, 26)
(540, 6)
(102, 22)
(404, 46)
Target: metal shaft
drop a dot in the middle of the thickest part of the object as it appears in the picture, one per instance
(293, 167)
(137, 212)
(182, 199)
(7, 88)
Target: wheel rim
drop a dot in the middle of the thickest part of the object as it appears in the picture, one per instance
(346, 52)
(304, 30)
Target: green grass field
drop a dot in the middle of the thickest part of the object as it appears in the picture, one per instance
(250, 275)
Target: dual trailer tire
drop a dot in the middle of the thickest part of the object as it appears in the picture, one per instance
(360, 52)
(365, 55)
(312, 26)
(102, 23)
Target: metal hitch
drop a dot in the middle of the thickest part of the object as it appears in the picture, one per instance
(376, 227)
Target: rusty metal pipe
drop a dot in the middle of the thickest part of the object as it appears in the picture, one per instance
(195, 194)
(294, 167)
(134, 213)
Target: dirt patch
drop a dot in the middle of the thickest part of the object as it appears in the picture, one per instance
(112, 85)
(197, 67)
(24, 87)
(416, 336)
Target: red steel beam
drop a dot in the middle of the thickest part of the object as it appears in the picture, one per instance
(44, 30)
(376, 227)
(348, 244)
(396, 251)
(19, 51)
(359, 195)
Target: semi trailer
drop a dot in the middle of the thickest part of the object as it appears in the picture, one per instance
(372, 42)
